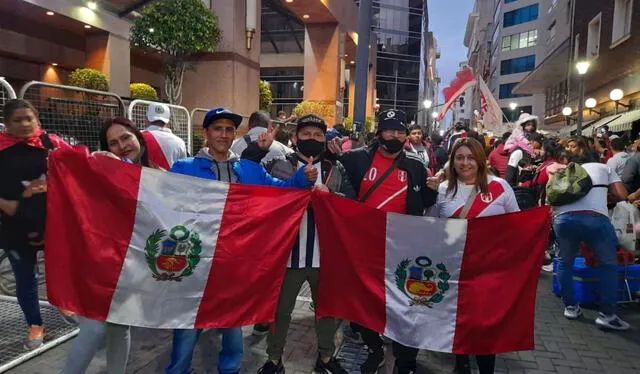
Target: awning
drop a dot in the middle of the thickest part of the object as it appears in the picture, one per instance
(568, 131)
(595, 125)
(625, 121)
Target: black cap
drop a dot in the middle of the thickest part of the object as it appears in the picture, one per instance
(392, 119)
(311, 120)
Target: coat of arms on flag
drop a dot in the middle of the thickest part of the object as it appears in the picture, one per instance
(423, 284)
(179, 255)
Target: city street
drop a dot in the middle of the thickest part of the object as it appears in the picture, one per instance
(562, 346)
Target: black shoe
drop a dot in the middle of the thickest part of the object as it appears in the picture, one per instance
(270, 368)
(331, 367)
(462, 369)
(374, 361)
(261, 329)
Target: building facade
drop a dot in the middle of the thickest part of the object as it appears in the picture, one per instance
(503, 37)
(405, 64)
(604, 34)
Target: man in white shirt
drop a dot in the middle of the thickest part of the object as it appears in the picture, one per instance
(259, 123)
(586, 221)
(163, 146)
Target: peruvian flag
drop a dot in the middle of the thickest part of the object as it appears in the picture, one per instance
(142, 247)
(464, 79)
(448, 285)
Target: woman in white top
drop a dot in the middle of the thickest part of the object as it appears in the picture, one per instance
(469, 192)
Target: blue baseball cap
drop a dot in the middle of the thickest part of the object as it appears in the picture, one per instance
(221, 113)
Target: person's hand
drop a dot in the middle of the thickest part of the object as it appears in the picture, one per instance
(433, 183)
(266, 139)
(321, 187)
(105, 154)
(335, 146)
(35, 187)
(311, 172)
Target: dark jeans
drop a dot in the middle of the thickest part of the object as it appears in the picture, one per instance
(24, 265)
(405, 356)
(486, 364)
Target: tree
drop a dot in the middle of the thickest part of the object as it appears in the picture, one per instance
(143, 91)
(178, 29)
(348, 124)
(266, 97)
(90, 79)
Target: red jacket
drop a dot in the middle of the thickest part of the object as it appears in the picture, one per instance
(499, 159)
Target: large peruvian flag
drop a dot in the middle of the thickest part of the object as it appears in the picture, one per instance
(143, 247)
(464, 80)
(448, 285)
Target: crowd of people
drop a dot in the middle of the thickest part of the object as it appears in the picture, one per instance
(399, 170)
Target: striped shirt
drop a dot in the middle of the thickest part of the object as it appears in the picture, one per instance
(306, 251)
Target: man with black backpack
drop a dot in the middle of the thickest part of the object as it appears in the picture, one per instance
(578, 195)
(259, 123)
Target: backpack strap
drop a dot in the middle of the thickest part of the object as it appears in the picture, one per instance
(384, 176)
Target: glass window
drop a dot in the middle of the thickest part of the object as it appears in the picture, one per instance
(505, 91)
(517, 65)
(522, 40)
(513, 115)
(522, 15)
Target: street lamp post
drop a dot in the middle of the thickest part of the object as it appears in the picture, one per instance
(566, 111)
(513, 107)
(616, 95)
(582, 67)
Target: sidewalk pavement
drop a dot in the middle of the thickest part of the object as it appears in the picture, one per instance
(562, 346)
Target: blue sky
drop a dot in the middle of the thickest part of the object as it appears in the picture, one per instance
(448, 20)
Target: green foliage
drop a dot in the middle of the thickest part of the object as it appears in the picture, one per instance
(401, 274)
(266, 97)
(348, 124)
(143, 91)
(318, 108)
(90, 79)
(197, 139)
(151, 248)
(178, 29)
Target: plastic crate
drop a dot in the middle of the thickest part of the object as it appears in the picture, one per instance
(587, 279)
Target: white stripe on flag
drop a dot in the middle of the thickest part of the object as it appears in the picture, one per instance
(442, 241)
(141, 300)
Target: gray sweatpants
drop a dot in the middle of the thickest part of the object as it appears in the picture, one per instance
(93, 334)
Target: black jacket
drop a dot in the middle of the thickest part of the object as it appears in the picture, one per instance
(338, 183)
(419, 196)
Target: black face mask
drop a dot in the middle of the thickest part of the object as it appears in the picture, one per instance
(392, 145)
(310, 147)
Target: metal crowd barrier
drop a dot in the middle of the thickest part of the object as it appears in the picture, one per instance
(197, 117)
(75, 114)
(180, 122)
(6, 93)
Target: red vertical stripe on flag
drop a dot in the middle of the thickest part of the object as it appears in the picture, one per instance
(156, 156)
(505, 260)
(352, 267)
(84, 256)
(258, 230)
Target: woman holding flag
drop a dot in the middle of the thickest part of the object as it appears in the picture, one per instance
(24, 149)
(121, 140)
(470, 192)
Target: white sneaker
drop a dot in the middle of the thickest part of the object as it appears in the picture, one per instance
(547, 268)
(572, 312)
(612, 322)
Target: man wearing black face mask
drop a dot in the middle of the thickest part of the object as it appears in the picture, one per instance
(387, 178)
(304, 262)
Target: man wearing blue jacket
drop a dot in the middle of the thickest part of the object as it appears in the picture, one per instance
(217, 162)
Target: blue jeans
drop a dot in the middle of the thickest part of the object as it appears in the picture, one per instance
(184, 343)
(24, 265)
(599, 235)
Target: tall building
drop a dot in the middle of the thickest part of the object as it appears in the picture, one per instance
(405, 74)
(503, 40)
(604, 34)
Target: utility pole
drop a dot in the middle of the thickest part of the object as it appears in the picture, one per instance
(362, 66)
